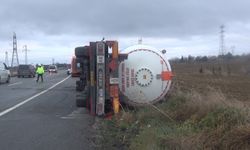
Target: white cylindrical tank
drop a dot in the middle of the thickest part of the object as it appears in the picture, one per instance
(145, 76)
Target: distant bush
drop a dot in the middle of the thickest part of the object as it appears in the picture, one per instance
(226, 57)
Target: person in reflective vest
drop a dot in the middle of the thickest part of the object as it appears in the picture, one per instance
(40, 72)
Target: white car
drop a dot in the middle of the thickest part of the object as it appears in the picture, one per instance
(4, 73)
(52, 69)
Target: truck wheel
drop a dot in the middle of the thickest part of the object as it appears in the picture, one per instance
(81, 100)
(81, 51)
(8, 80)
(79, 86)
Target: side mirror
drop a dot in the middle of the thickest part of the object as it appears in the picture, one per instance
(163, 51)
(5, 66)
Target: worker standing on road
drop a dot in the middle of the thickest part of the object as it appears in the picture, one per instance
(40, 72)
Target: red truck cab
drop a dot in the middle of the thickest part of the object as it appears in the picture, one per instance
(75, 68)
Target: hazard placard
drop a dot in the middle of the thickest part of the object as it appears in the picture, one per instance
(100, 59)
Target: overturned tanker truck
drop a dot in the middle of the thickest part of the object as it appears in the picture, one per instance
(137, 76)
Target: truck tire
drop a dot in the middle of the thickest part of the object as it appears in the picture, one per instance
(81, 51)
(8, 80)
(81, 100)
(79, 86)
(80, 60)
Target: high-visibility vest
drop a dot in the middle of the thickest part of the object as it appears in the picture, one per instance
(40, 70)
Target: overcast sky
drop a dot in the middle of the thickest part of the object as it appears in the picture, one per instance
(52, 28)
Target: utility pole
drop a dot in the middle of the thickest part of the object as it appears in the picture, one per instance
(140, 41)
(26, 54)
(222, 42)
(14, 53)
(53, 61)
(232, 49)
(6, 59)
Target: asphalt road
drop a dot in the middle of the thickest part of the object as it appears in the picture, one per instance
(43, 116)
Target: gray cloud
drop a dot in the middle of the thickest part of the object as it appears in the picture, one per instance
(44, 21)
(165, 18)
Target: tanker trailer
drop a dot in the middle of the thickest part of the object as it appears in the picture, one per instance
(137, 76)
(145, 76)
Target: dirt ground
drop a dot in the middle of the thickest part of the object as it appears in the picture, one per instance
(233, 86)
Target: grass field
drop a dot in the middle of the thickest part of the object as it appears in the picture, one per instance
(233, 86)
(204, 110)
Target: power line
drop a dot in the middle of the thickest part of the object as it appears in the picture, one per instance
(140, 40)
(6, 58)
(222, 41)
(26, 54)
(14, 53)
(232, 49)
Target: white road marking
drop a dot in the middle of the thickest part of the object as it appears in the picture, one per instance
(15, 83)
(78, 113)
(31, 98)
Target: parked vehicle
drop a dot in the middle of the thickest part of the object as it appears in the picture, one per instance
(4, 73)
(46, 68)
(26, 71)
(68, 71)
(52, 69)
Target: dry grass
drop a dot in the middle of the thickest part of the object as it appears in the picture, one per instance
(199, 122)
(234, 86)
(238, 138)
(194, 105)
